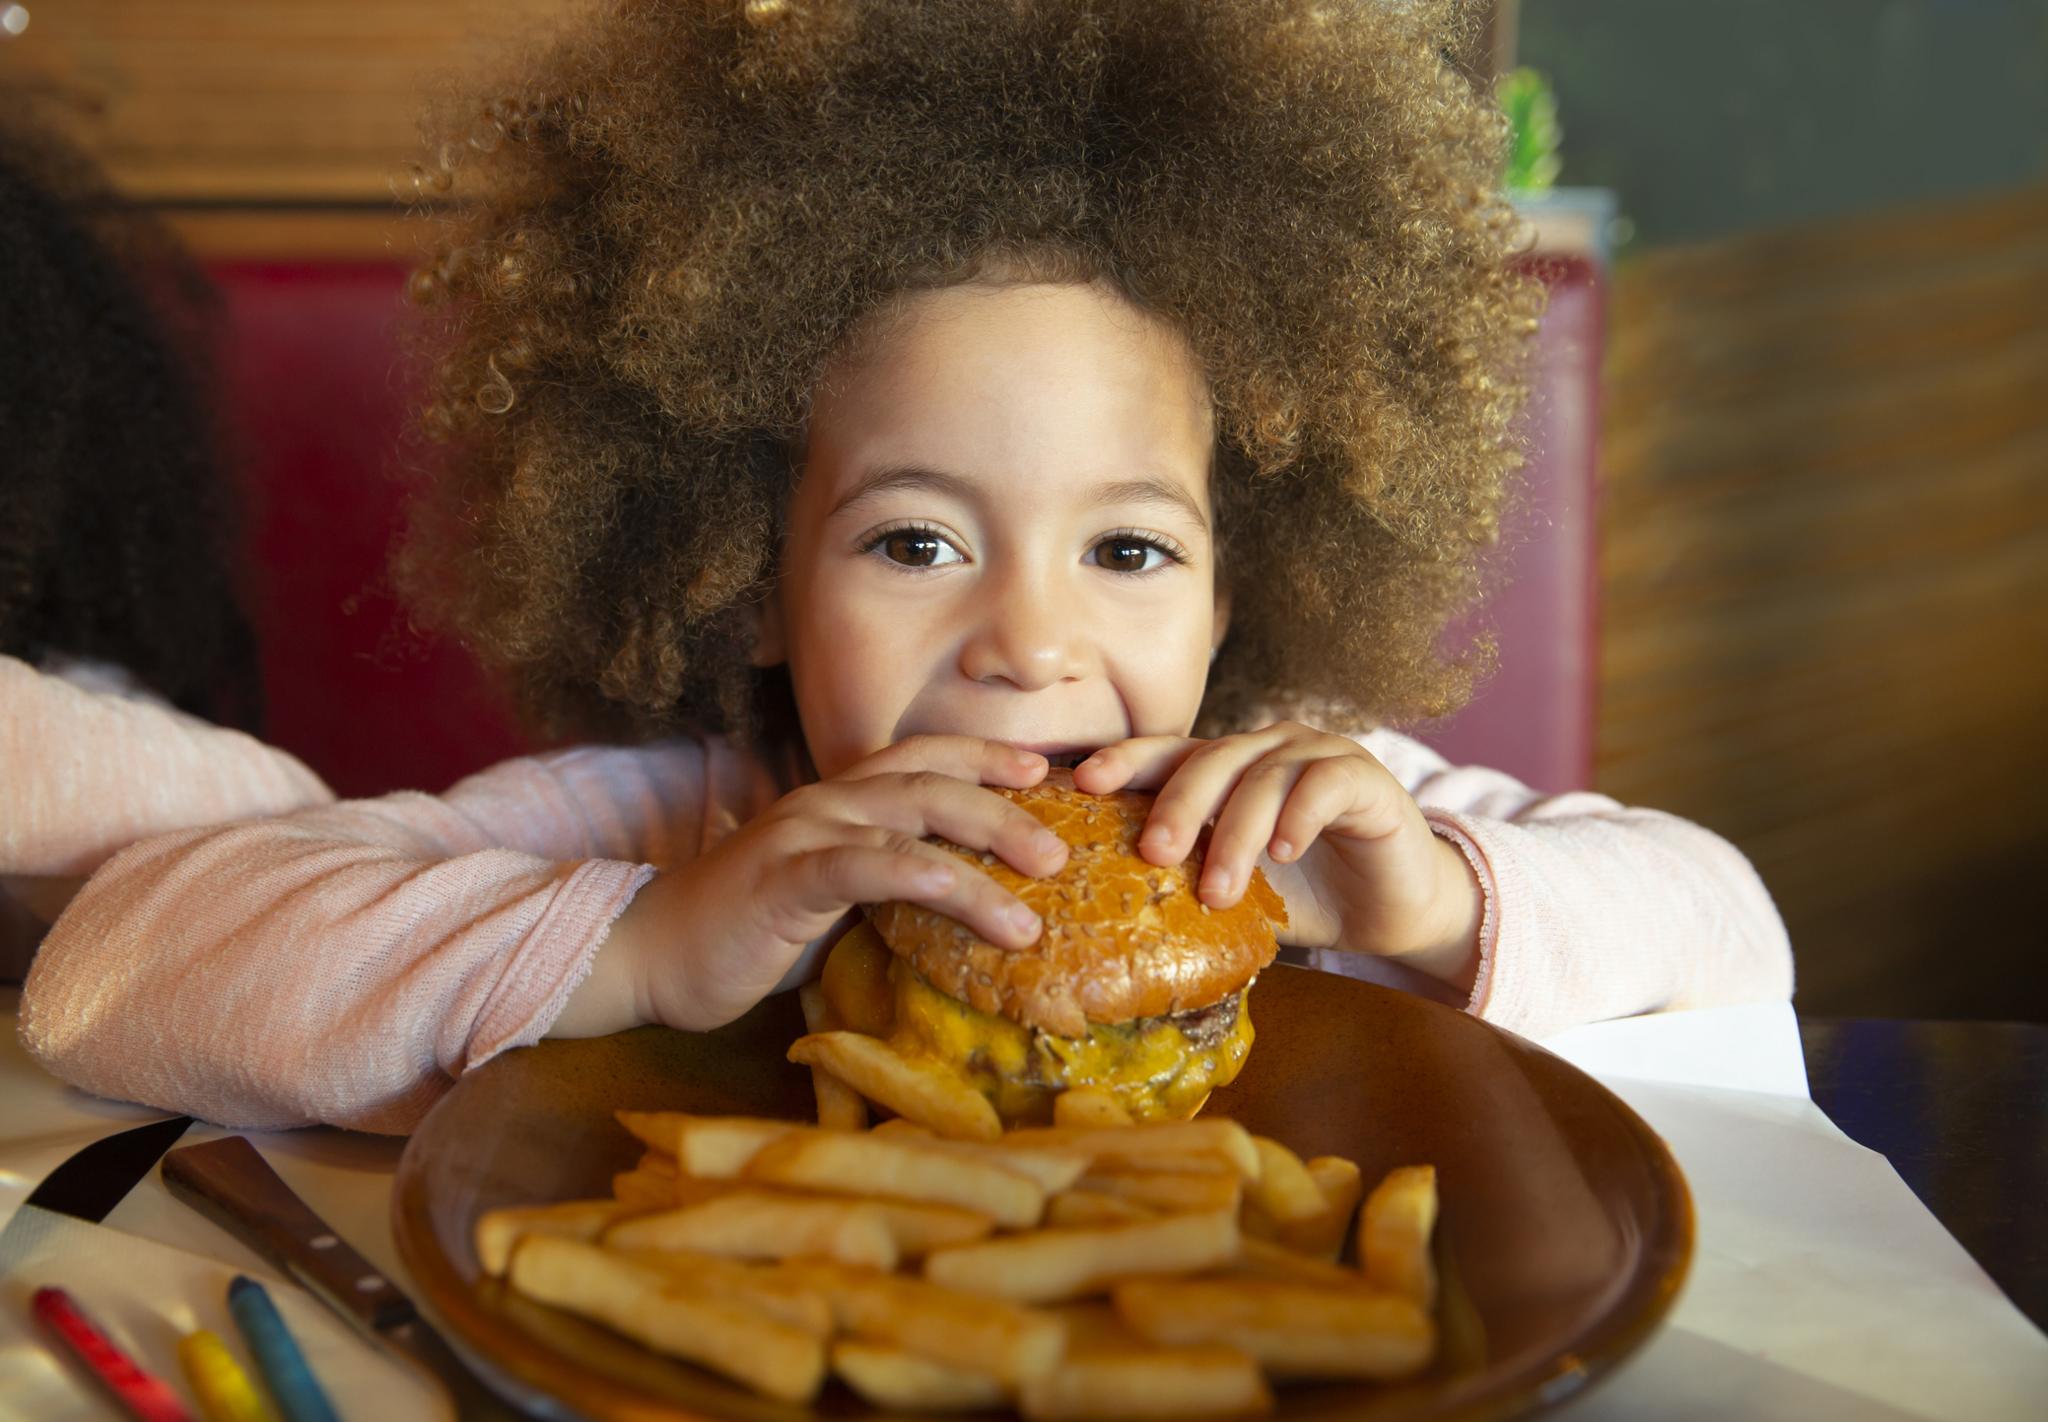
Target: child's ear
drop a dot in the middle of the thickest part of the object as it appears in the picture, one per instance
(771, 646)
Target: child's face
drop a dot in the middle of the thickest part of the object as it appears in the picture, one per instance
(1003, 529)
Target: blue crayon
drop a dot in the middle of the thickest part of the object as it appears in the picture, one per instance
(285, 1371)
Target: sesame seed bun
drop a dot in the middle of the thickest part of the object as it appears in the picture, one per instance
(1124, 938)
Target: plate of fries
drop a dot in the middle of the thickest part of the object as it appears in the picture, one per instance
(1396, 1211)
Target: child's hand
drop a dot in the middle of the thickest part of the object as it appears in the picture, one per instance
(705, 941)
(1346, 845)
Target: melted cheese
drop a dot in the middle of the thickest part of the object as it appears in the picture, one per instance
(1150, 1065)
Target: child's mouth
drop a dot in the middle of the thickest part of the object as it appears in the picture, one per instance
(1059, 759)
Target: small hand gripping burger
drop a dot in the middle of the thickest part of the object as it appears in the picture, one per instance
(1135, 987)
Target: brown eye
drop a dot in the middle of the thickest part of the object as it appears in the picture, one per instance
(916, 548)
(1130, 555)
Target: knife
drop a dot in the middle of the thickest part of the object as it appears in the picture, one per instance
(99, 1177)
(232, 1185)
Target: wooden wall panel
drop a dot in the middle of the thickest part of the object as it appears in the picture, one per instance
(1825, 581)
(255, 101)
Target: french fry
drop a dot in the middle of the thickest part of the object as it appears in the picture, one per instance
(1285, 1191)
(1256, 1223)
(1338, 1179)
(660, 1131)
(897, 1126)
(644, 1190)
(920, 1227)
(855, 981)
(728, 1338)
(1178, 1146)
(1071, 1208)
(1172, 1194)
(1094, 1326)
(1323, 1234)
(761, 1224)
(818, 1013)
(638, 1189)
(840, 1107)
(1294, 1330)
(498, 1230)
(766, 1288)
(649, 1185)
(1263, 1259)
(709, 1147)
(719, 1147)
(1054, 1170)
(1004, 1339)
(900, 1381)
(902, 1169)
(1088, 1108)
(1148, 1382)
(1050, 1265)
(925, 1092)
(1394, 1226)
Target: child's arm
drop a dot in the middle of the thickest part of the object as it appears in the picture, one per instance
(1539, 912)
(340, 964)
(1594, 909)
(345, 964)
(89, 772)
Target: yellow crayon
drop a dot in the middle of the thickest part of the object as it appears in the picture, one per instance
(225, 1392)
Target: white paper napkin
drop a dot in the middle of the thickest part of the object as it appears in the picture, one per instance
(1821, 1288)
(146, 1296)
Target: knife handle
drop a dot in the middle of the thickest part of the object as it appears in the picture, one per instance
(232, 1185)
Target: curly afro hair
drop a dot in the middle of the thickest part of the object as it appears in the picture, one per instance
(683, 207)
(117, 517)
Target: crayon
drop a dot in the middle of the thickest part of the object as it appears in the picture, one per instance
(293, 1387)
(224, 1390)
(142, 1394)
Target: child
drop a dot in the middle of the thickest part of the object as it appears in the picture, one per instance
(859, 405)
(121, 641)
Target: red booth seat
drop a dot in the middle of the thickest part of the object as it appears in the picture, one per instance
(316, 405)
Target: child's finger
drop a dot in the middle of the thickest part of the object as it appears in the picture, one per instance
(929, 802)
(1245, 826)
(972, 759)
(885, 865)
(1337, 787)
(1141, 763)
(1197, 793)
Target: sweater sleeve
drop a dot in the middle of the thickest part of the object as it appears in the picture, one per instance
(88, 772)
(344, 964)
(1593, 909)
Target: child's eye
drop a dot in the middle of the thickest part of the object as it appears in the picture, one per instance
(914, 547)
(1128, 551)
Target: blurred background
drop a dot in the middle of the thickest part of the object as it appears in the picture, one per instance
(1813, 437)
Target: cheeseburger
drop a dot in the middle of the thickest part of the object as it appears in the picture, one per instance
(1135, 987)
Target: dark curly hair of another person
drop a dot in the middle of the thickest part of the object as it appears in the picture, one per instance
(117, 521)
(679, 210)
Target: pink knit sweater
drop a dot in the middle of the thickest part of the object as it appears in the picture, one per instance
(91, 763)
(345, 962)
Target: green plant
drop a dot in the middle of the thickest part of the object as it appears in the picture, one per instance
(1526, 98)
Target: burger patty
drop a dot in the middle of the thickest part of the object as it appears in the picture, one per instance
(1206, 1026)
(1203, 1029)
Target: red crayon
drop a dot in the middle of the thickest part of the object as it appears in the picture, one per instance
(147, 1397)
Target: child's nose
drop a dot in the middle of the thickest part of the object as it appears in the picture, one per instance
(1024, 637)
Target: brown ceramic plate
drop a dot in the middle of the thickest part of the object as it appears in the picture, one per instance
(1565, 1232)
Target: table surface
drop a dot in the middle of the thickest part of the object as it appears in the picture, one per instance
(1957, 1108)
(1961, 1111)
